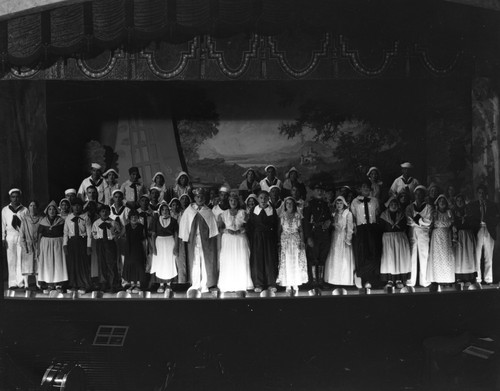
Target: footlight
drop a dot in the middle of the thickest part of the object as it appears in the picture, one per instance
(168, 294)
(407, 289)
(97, 295)
(267, 293)
(314, 292)
(146, 294)
(459, 286)
(389, 289)
(475, 286)
(339, 292)
(193, 293)
(123, 295)
(29, 294)
(365, 291)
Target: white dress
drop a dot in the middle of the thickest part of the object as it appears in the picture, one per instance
(293, 262)
(441, 265)
(234, 274)
(340, 266)
(163, 263)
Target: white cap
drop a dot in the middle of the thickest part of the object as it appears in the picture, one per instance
(69, 191)
(439, 197)
(247, 171)
(154, 188)
(15, 190)
(406, 165)
(420, 187)
(290, 170)
(373, 169)
(251, 195)
(111, 170)
(116, 191)
(274, 187)
(181, 174)
(341, 198)
(270, 166)
(97, 166)
(224, 189)
(157, 174)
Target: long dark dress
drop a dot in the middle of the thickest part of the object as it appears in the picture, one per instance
(263, 234)
(134, 266)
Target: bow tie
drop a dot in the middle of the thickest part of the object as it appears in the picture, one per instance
(75, 219)
(366, 199)
(407, 181)
(105, 225)
(97, 183)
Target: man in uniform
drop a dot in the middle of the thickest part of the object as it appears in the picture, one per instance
(404, 182)
(95, 179)
(11, 223)
(317, 222)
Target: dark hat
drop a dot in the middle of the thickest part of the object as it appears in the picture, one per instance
(318, 185)
(134, 169)
(77, 201)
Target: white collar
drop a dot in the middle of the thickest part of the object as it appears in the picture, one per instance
(269, 210)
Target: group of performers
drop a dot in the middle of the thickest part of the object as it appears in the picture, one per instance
(261, 235)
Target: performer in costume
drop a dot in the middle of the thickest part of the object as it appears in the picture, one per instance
(158, 181)
(317, 222)
(29, 242)
(340, 265)
(292, 179)
(70, 194)
(64, 208)
(484, 219)
(135, 255)
(185, 201)
(367, 237)
(77, 244)
(164, 235)
(270, 179)
(198, 228)
(223, 203)
(104, 232)
(154, 199)
(292, 270)
(250, 185)
(250, 202)
(132, 188)
(395, 264)
(110, 184)
(465, 250)
(405, 181)
(52, 268)
(95, 179)
(119, 213)
(275, 199)
(262, 226)
(11, 224)
(377, 191)
(419, 219)
(234, 252)
(441, 266)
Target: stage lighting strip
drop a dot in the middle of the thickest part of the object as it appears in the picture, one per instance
(422, 52)
(179, 67)
(105, 70)
(298, 73)
(218, 55)
(353, 56)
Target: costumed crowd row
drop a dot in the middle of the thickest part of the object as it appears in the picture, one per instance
(263, 234)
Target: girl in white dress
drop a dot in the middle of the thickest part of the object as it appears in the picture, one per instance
(293, 262)
(234, 274)
(441, 266)
(395, 265)
(465, 263)
(340, 266)
(164, 230)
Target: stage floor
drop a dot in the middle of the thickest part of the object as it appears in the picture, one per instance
(176, 293)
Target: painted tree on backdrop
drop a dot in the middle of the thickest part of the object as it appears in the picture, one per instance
(197, 120)
(357, 144)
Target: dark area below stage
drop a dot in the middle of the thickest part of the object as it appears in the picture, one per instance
(306, 343)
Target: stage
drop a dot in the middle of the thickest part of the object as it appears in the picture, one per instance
(324, 342)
